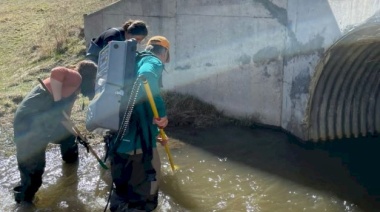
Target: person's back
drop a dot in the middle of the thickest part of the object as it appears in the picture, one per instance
(136, 29)
(37, 122)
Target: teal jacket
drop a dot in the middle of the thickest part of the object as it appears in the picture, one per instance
(141, 127)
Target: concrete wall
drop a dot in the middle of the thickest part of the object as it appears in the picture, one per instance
(250, 58)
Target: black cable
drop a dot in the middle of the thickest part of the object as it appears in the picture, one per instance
(109, 197)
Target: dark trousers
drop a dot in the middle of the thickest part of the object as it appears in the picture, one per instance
(34, 127)
(31, 164)
(134, 191)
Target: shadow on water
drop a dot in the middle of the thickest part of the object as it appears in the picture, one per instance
(346, 168)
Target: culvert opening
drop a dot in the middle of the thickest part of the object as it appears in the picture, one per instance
(345, 99)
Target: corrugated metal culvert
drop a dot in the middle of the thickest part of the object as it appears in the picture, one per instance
(345, 97)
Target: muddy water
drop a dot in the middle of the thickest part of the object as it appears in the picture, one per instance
(222, 169)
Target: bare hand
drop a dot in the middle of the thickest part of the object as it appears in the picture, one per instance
(163, 142)
(161, 122)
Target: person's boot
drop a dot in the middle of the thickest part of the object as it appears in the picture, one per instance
(152, 202)
(117, 202)
(28, 198)
(70, 154)
(22, 196)
(18, 194)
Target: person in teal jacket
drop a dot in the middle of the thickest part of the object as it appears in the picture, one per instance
(135, 163)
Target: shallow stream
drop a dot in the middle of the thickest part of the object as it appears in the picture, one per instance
(222, 169)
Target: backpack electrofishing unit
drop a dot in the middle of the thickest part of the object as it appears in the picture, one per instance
(115, 75)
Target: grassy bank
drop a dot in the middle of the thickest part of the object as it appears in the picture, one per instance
(36, 36)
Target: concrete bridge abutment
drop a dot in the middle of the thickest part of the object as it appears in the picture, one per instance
(309, 67)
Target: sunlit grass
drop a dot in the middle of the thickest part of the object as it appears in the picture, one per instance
(35, 36)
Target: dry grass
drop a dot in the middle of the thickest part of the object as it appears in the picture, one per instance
(35, 36)
(186, 110)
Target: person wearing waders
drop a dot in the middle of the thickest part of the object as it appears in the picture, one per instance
(131, 29)
(37, 122)
(135, 163)
(136, 29)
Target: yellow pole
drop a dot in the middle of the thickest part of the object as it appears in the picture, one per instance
(155, 114)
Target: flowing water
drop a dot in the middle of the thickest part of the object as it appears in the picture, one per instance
(222, 169)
